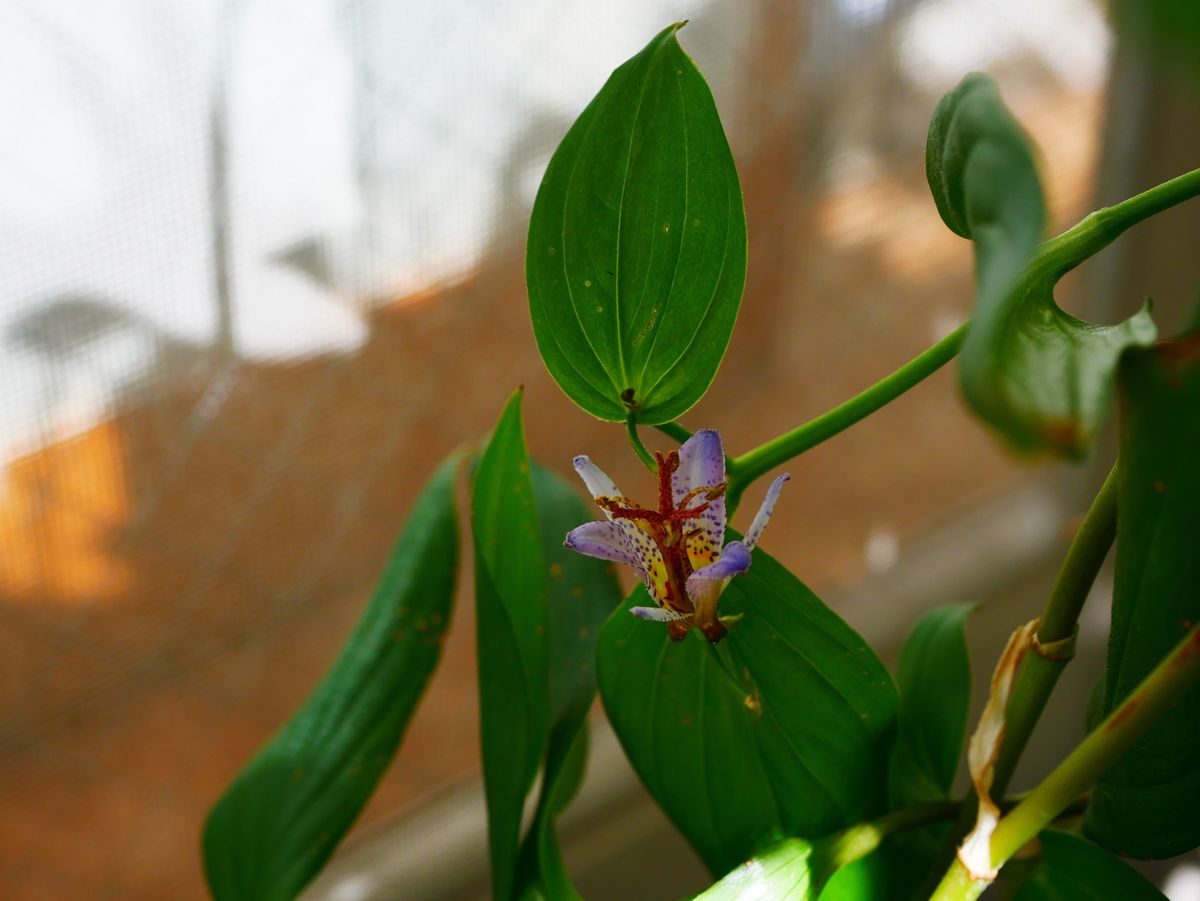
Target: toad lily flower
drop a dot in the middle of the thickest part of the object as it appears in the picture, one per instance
(676, 549)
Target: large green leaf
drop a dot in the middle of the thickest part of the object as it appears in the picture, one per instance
(783, 729)
(1039, 376)
(512, 616)
(582, 592)
(1146, 805)
(282, 817)
(1072, 869)
(934, 678)
(636, 258)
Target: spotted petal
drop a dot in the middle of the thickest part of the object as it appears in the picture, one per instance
(702, 465)
(605, 540)
(704, 586)
(764, 512)
(734, 560)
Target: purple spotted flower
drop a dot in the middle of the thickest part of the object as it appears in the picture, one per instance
(677, 549)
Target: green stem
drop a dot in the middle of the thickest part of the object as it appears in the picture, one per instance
(755, 463)
(856, 842)
(1099, 229)
(638, 448)
(1039, 671)
(1157, 693)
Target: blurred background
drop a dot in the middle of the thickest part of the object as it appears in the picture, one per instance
(262, 268)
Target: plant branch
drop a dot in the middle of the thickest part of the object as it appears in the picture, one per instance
(1177, 672)
(755, 463)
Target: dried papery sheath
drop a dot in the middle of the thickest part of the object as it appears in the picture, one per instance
(984, 749)
(677, 547)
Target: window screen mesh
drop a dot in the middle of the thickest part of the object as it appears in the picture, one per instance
(262, 268)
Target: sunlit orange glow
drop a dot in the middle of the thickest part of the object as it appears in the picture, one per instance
(59, 510)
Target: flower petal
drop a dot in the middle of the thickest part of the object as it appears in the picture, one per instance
(605, 540)
(734, 559)
(702, 465)
(704, 587)
(597, 482)
(657, 614)
(623, 541)
(764, 512)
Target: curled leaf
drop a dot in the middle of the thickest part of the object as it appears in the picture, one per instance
(1039, 376)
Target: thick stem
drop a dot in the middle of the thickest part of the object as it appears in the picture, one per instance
(1040, 669)
(752, 464)
(1055, 643)
(1155, 695)
(1176, 673)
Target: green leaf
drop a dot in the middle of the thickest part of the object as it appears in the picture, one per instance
(636, 259)
(783, 873)
(280, 820)
(782, 729)
(1072, 869)
(511, 618)
(1145, 806)
(1039, 376)
(934, 679)
(895, 870)
(800, 870)
(582, 592)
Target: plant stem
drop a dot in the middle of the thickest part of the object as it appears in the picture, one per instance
(752, 464)
(1177, 672)
(1055, 643)
(638, 448)
(1039, 671)
(1099, 229)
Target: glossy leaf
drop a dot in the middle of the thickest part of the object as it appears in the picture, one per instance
(1072, 869)
(896, 870)
(636, 259)
(782, 873)
(799, 870)
(1145, 806)
(934, 680)
(783, 729)
(512, 616)
(1038, 375)
(280, 820)
(582, 593)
